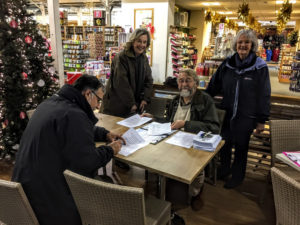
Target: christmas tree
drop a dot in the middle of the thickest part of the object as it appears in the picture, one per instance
(26, 74)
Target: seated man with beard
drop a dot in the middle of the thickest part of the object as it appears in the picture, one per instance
(192, 111)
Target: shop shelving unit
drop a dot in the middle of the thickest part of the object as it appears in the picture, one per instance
(87, 42)
(295, 77)
(183, 52)
(285, 69)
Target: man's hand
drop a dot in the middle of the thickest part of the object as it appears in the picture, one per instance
(133, 108)
(114, 137)
(259, 128)
(116, 146)
(142, 105)
(177, 124)
(147, 115)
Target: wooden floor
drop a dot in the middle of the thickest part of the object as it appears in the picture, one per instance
(238, 206)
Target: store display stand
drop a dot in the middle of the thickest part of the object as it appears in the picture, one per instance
(285, 69)
(183, 53)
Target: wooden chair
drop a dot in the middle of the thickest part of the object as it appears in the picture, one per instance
(285, 136)
(110, 204)
(286, 196)
(15, 208)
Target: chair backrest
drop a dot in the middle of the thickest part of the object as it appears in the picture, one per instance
(221, 116)
(105, 203)
(158, 106)
(285, 136)
(287, 198)
(15, 208)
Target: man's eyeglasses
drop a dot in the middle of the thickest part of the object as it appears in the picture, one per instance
(98, 98)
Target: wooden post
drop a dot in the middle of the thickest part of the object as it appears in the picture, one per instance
(55, 36)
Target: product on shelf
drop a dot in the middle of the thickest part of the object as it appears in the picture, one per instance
(183, 53)
(87, 42)
(286, 70)
(295, 76)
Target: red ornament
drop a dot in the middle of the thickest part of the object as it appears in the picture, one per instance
(5, 122)
(22, 115)
(24, 75)
(13, 24)
(28, 40)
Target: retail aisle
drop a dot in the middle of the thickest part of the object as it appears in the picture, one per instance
(280, 88)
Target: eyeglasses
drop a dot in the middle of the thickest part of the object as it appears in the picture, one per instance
(181, 81)
(98, 98)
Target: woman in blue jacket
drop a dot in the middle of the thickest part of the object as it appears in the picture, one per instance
(243, 81)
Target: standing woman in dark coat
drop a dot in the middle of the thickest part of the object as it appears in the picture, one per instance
(130, 85)
(243, 81)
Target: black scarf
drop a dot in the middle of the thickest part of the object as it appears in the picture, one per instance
(73, 95)
(247, 62)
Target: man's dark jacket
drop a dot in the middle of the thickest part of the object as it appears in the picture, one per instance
(204, 116)
(60, 135)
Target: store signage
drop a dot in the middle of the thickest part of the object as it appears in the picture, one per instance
(99, 14)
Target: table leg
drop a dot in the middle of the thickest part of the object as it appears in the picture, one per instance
(162, 187)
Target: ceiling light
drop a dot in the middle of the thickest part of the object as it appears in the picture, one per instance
(225, 13)
(211, 3)
(281, 2)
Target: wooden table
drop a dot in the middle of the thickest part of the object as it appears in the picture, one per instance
(166, 160)
(286, 160)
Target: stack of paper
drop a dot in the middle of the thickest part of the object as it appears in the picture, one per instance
(155, 132)
(133, 142)
(182, 139)
(294, 157)
(134, 121)
(206, 141)
(159, 128)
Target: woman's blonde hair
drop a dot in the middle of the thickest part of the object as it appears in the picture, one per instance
(137, 33)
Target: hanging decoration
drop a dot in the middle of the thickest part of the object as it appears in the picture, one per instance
(208, 16)
(243, 12)
(24, 75)
(22, 115)
(293, 38)
(13, 24)
(284, 15)
(216, 18)
(41, 83)
(28, 39)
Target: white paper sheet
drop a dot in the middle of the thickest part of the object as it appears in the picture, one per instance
(134, 121)
(132, 137)
(133, 142)
(159, 128)
(182, 139)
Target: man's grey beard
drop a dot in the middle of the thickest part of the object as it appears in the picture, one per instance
(186, 93)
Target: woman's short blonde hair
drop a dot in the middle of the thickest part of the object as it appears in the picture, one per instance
(191, 73)
(135, 36)
(250, 35)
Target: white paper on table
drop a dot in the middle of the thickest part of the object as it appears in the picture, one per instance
(132, 137)
(129, 149)
(133, 142)
(159, 128)
(182, 139)
(134, 121)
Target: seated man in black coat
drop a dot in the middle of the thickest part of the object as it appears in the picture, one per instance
(61, 135)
